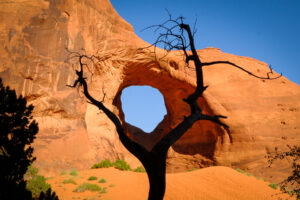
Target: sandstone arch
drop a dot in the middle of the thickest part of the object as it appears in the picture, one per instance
(200, 139)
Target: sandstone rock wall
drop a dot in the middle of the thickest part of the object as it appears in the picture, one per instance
(74, 134)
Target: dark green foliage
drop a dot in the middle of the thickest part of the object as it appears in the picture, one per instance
(67, 181)
(87, 186)
(102, 180)
(37, 185)
(273, 185)
(17, 132)
(74, 173)
(191, 170)
(103, 164)
(92, 178)
(243, 172)
(31, 172)
(119, 164)
(139, 169)
(49, 195)
(104, 190)
(240, 170)
(122, 165)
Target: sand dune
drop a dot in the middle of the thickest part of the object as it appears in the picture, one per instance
(213, 183)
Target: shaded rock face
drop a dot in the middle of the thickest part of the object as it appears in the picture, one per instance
(74, 134)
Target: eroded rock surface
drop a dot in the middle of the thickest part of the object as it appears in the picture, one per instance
(74, 134)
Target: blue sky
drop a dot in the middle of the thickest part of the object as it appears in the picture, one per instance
(267, 30)
(143, 106)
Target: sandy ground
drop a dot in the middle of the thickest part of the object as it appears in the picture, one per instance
(213, 183)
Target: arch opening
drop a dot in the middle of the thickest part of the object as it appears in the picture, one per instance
(143, 107)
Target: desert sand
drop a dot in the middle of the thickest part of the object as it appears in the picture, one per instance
(212, 183)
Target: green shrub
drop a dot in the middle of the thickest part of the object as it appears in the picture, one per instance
(31, 172)
(240, 170)
(103, 190)
(273, 185)
(87, 186)
(122, 165)
(191, 170)
(243, 172)
(111, 185)
(74, 173)
(91, 178)
(63, 173)
(248, 174)
(102, 180)
(37, 185)
(103, 164)
(67, 181)
(119, 164)
(139, 169)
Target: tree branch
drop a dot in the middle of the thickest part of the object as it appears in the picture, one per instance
(174, 33)
(170, 138)
(241, 68)
(135, 148)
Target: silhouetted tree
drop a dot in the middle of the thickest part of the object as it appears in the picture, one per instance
(17, 132)
(49, 195)
(294, 155)
(176, 36)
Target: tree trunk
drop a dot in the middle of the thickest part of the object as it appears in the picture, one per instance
(156, 171)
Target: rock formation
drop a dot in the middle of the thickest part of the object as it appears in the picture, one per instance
(36, 37)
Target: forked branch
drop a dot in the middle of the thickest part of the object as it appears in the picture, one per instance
(131, 145)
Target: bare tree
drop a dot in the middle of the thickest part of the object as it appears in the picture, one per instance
(176, 35)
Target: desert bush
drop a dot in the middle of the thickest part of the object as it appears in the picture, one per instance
(243, 172)
(119, 164)
(67, 181)
(31, 172)
(87, 186)
(248, 174)
(74, 173)
(104, 190)
(122, 165)
(103, 164)
(240, 170)
(92, 178)
(273, 185)
(102, 180)
(37, 185)
(139, 169)
(191, 170)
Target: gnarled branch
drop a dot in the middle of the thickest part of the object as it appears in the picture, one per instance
(131, 145)
(243, 69)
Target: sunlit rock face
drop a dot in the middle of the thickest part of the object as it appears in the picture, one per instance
(75, 134)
